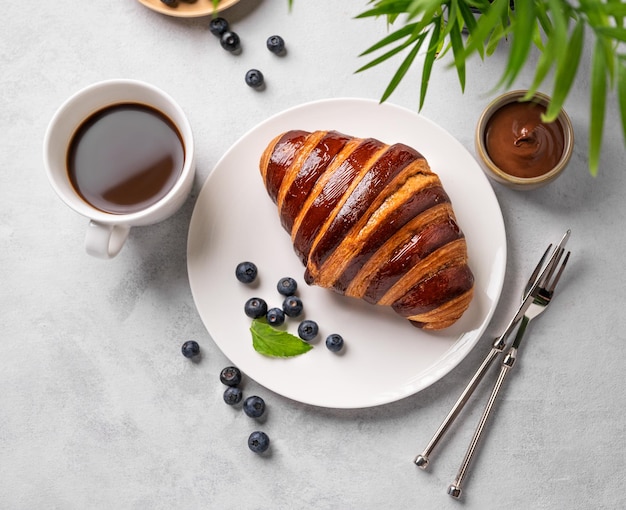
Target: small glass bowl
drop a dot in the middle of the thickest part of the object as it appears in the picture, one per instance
(499, 175)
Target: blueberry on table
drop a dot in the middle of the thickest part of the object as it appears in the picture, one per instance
(287, 286)
(254, 406)
(276, 44)
(258, 441)
(275, 317)
(230, 41)
(246, 272)
(230, 376)
(255, 307)
(218, 26)
(170, 3)
(254, 78)
(334, 342)
(232, 395)
(307, 330)
(292, 306)
(190, 349)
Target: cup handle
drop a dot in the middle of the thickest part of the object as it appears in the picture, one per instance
(105, 241)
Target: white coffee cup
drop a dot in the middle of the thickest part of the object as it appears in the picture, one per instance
(107, 232)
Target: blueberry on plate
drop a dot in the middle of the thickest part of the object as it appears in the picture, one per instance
(170, 3)
(246, 272)
(275, 317)
(230, 376)
(254, 78)
(255, 307)
(230, 41)
(232, 395)
(276, 44)
(258, 441)
(254, 406)
(190, 349)
(218, 26)
(292, 306)
(334, 342)
(287, 286)
(307, 330)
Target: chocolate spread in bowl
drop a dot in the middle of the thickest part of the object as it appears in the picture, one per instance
(520, 143)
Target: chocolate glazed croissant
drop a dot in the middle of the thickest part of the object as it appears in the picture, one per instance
(371, 221)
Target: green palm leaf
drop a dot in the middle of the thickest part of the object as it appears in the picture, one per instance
(433, 49)
(621, 90)
(402, 70)
(457, 50)
(598, 105)
(566, 72)
(524, 24)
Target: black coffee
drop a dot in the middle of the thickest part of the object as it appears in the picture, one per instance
(125, 158)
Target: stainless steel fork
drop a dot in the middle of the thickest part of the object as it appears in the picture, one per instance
(540, 302)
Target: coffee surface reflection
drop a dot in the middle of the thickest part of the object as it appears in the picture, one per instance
(125, 157)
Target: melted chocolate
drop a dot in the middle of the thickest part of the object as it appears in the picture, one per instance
(520, 144)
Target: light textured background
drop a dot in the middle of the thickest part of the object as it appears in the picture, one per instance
(99, 410)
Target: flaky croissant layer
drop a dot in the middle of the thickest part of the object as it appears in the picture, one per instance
(371, 221)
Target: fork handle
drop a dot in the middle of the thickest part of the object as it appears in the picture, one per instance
(423, 459)
(455, 487)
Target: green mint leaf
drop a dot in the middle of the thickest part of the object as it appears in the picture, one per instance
(272, 342)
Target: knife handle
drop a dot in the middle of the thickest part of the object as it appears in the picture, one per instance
(455, 487)
(423, 459)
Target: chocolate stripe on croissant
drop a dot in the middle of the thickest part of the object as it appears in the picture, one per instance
(419, 202)
(372, 221)
(306, 176)
(415, 248)
(435, 290)
(284, 151)
(331, 194)
(381, 172)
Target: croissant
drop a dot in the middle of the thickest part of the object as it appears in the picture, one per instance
(371, 221)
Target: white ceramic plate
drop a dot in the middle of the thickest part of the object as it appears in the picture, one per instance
(385, 358)
(188, 10)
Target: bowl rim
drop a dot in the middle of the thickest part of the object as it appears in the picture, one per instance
(510, 97)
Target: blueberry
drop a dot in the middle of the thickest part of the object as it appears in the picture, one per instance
(254, 78)
(258, 441)
(230, 41)
(275, 317)
(246, 272)
(230, 376)
(254, 406)
(292, 306)
(218, 26)
(334, 342)
(255, 307)
(190, 349)
(307, 330)
(276, 44)
(287, 286)
(232, 395)
(170, 3)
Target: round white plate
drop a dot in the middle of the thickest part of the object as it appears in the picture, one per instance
(385, 358)
(188, 10)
